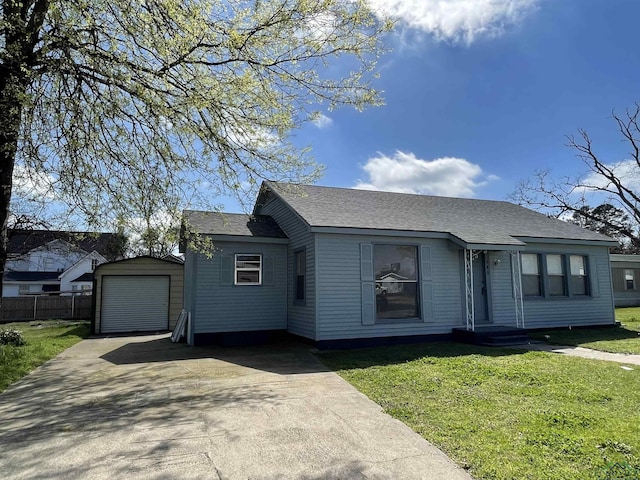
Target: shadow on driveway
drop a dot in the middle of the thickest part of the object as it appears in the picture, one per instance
(284, 358)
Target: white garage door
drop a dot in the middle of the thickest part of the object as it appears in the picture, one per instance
(134, 303)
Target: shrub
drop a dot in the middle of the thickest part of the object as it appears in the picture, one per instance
(11, 336)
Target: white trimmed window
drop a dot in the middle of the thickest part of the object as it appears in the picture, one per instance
(248, 269)
(629, 280)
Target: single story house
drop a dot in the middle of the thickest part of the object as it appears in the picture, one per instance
(311, 261)
(625, 272)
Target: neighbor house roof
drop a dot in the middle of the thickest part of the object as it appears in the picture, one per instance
(30, 276)
(470, 221)
(85, 277)
(109, 245)
(624, 257)
(232, 224)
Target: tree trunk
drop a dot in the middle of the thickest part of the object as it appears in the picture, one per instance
(10, 115)
(13, 87)
(21, 30)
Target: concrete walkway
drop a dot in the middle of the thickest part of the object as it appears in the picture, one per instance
(582, 352)
(143, 408)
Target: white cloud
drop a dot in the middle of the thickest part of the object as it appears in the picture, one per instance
(28, 183)
(322, 121)
(626, 170)
(457, 21)
(404, 173)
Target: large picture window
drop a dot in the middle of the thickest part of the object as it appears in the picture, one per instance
(248, 269)
(396, 276)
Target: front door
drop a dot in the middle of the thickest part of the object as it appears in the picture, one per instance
(480, 289)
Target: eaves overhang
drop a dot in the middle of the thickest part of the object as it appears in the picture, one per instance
(248, 239)
(571, 241)
(512, 245)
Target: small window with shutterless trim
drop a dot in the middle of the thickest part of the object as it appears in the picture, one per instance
(248, 269)
(301, 273)
(629, 280)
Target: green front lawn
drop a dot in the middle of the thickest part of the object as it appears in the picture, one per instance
(506, 414)
(44, 339)
(623, 339)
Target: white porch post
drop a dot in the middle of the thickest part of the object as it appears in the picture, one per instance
(468, 281)
(516, 281)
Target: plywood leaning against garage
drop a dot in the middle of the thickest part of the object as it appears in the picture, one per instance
(181, 327)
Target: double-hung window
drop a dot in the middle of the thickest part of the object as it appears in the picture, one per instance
(531, 278)
(579, 277)
(556, 275)
(248, 269)
(629, 280)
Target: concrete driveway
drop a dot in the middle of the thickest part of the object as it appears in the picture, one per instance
(142, 407)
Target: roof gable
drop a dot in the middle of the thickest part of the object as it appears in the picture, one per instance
(472, 221)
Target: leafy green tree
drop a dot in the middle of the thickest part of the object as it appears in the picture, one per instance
(200, 96)
(617, 181)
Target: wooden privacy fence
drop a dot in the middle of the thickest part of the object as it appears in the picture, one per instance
(45, 307)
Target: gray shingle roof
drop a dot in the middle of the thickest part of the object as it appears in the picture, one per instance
(109, 245)
(233, 224)
(485, 222)
(30, 276)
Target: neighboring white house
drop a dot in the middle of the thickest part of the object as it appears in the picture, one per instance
(390, 283)
(59, 263)
(79, 276)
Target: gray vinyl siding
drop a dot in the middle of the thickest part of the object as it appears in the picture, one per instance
(595, 309)
(339, 301)
(301, 314)
(502, 309)
(217, 305)
(625, 297)
(190, 274)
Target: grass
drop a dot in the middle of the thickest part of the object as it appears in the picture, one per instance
(45, 340)
(622, 339)
(506, 414)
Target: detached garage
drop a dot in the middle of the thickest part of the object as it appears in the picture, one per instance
(142, 294)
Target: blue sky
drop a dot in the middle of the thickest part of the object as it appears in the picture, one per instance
(481, 94)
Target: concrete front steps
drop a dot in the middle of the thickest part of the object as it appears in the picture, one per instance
(493, 336)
